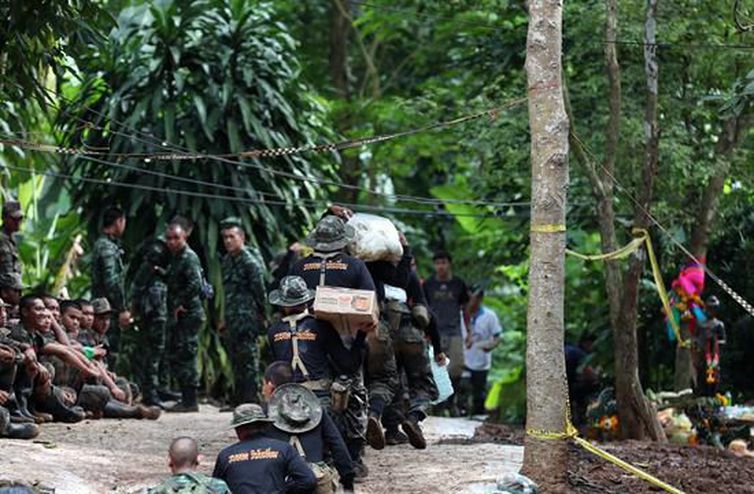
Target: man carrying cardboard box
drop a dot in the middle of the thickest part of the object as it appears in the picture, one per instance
(312, 346)
(330, 266)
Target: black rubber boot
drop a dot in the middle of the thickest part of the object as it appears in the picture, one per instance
(16, 431)
(114, 409)
(152, 399)
(53, 405)
(168, 395)
(21, 431)
(18, 415)
(188, 402)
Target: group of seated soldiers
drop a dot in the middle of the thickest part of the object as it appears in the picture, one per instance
(54, 363)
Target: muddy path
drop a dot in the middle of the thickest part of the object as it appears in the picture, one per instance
(125, 456)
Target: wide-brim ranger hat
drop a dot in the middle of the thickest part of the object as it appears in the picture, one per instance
(331, 234)
(249, 413)
(295, 409)
(101, 306)
(292, 292)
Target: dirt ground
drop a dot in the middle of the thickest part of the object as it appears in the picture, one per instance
(127, 455)
(694, 470)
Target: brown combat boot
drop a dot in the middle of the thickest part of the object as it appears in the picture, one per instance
(414, 433)
(375, 434)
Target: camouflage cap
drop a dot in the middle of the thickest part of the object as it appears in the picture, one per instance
(331, 234)
(230, 222)
(295, 409)
(292, 292)
(249, 413)
(11, 280)
(101, 306)
(13, 209)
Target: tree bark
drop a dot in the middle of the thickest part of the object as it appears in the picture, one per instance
(545, 461)
(637, 417)
(340, 26)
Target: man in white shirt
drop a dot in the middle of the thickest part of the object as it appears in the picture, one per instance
(481, 339)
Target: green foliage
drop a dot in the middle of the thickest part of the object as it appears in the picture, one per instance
(215, 76)
(212, 77)
(47, 236)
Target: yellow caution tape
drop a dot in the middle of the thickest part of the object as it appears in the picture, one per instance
(641, 237)
(626, 466)
(548, 228)
(610, 256)
(572, 433)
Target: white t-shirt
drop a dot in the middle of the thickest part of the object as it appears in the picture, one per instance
(484, 327)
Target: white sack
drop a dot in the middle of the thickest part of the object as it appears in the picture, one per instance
(376, 238)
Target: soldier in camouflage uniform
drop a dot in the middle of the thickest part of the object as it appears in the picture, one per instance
(108, 277)
(184, 460)
(243, 285)
(12, 218)
(186, 315)
(11, 358)
(149, 293)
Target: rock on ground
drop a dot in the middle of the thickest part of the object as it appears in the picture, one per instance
(125, 456)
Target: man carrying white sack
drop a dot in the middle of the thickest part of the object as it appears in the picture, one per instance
(329, 265)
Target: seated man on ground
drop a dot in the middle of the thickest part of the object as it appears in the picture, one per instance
(53, 305)
(87, 311)
(183, 457)
(36, 397)
(10, 358)
(36, 320)
(96, 339)
(257, 464)
(301, 420)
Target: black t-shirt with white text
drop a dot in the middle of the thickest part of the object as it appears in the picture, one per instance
(446, 298)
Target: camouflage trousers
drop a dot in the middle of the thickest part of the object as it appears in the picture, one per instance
(182, 351)
(351, 422)
(381, 369)
(417, 389)
(240, 341)
(149, 351)
(124, 356)
(114, 337)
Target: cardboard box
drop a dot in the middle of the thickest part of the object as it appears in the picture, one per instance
(345, 308)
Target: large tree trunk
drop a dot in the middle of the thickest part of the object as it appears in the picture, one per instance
(340, 27)
(637, 417)
(546, 460)
(734, 130)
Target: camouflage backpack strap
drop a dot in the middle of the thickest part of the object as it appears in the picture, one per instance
(296, 443)
(323, 265)
(296, 361)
